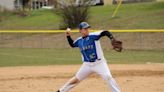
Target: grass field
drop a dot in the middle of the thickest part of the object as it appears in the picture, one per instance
(28, 57)
(130, 16)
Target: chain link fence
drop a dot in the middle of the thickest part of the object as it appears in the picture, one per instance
(134, 41)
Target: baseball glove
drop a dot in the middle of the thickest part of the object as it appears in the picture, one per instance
(117, 45)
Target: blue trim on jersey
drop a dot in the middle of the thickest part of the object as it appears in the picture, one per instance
(87, 47)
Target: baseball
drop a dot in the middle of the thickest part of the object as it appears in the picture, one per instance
(68, 29)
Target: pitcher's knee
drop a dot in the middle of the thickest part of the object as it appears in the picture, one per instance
(74, 80)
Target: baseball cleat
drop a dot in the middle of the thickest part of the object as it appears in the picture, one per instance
(58, 91)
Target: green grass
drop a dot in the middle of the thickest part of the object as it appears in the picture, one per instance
(130, 16)
(28, 57)
(39, 19)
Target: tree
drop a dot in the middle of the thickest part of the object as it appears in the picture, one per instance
(72, 15)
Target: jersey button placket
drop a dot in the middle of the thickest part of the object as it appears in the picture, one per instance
(83, 46)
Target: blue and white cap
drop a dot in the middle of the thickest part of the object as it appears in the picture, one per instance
(84, 25)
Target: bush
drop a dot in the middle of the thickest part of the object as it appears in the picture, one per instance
(72, 15)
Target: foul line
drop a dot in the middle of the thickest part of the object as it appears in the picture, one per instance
(62, 31)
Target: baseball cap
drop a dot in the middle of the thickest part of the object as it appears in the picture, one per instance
(84, 25)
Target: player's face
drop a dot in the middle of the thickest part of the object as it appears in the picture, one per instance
(84, 32)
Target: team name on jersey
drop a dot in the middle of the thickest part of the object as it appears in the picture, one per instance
(87, 47)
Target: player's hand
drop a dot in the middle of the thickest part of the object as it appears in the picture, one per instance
(68, 31)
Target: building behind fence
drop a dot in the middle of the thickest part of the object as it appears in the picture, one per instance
(37, 4)
(30, 4)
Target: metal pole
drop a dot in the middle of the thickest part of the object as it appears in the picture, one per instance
(116, 10)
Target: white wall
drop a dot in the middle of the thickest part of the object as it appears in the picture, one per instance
(8, 4)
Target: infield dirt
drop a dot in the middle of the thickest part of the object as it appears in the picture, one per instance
(130, 78)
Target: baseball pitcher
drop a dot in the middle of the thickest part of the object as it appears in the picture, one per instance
(92, 57)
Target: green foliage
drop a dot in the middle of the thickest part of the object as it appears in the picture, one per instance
(72, 15)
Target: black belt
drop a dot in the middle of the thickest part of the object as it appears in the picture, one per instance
(95, 60)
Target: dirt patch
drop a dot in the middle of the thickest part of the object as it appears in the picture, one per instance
(131, 78)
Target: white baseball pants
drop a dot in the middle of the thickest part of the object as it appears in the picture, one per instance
(101, 68)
